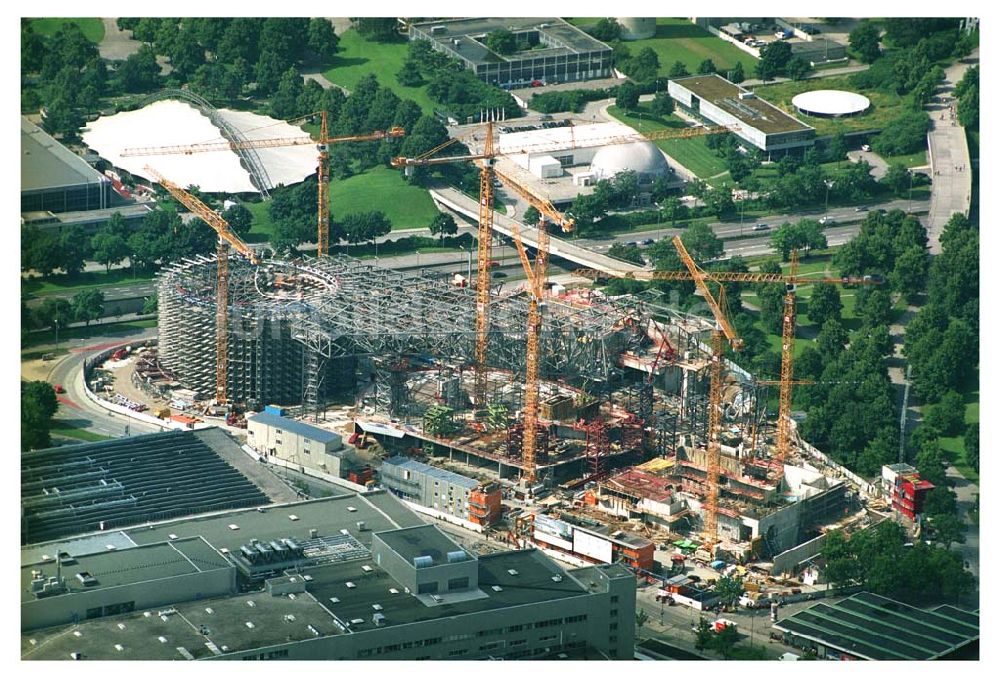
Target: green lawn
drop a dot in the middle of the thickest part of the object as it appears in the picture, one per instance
(61, 283)
(954, 447)
(885, 107)
(918, 159)
(358, 57)
(381, 188)
(406, 205)
(93, 29)
(692, 153)
(61, 428)
(681, 40)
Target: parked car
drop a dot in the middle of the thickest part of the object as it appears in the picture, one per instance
(761, 227)
(826, 221)
(866, 148)
(58, 388)
(861, 208)
(648, 241)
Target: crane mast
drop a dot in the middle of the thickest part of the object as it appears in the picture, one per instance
(322, 189)
(227, 238)
(485, 238)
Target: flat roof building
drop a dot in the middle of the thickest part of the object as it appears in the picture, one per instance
(757, 122)
(55, 179)
(441, 491)
(869, 626)
(295, 441)
(552, 50)
(369, 605)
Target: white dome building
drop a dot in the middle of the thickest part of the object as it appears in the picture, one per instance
(641, 157)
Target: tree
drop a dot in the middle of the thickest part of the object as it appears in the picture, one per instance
(626, 252)
(322, 40)
(74, 249)
(836, 150)
(864, 41)
(293, 212)
(409, 75)
(55, 313)
(443, 224)
(737, 75)
(140, 72)
(628, 96)
(873, 306)
(729, 590)
(678, 70)
(663, 104)
(88, 305)
(948, 529)
(606, 30)
(720, 202)
(824, 304)
(363, 226)
(239, 218)
(150, 304)
(40, 250)
(61, 117)
(910, 272)
(907, 133)
(701, 242)
(284, 102)
(186, 54)
(108, 247)
(773, 58)
(641, 617)
(831, 339)
(501, 41)
(377, 29)
(797, 68)
(704, 635)
(707, 66)
(972, 445)
(531, 215)
(897, 179)
(38, 406)
(948, 415)
(643, 66)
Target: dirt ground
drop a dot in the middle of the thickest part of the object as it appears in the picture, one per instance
(38, 370)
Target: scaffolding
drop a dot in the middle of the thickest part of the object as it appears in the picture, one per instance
(293, 320)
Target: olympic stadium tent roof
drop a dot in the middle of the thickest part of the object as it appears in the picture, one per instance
(170, 122)
(558, 138)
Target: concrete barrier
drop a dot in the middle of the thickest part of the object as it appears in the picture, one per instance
(88, 366)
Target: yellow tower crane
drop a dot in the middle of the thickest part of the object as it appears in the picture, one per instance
(322, 171)
(487, 175)
(227, 237)
(791, 280)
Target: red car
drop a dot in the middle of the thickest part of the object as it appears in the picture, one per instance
(537, 83)
(58, 388)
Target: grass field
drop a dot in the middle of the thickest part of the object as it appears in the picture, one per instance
(358, 57)
(61, 428)
(954, 448)
(691, 153)
(93, 29)
(885, 107)
(918, 159)
(87, 280)
(680, 40)
(406, 205)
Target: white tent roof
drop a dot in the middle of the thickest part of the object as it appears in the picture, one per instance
(168, 123)
(559, 138)
(831, 102)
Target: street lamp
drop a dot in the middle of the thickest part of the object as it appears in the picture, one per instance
(829, 185)
(909, 200)
(468, 254)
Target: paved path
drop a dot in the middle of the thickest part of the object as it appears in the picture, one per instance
(879, 165)
(966, 492)
(117, 44)
(951, 189)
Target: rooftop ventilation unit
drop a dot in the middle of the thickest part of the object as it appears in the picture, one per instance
(334, 600)
(496, 588)
(234, 526)
(394, 591)
(378, 618)
(557, 577)
(351, 509)
(351, 585)
(457, 556)
(366, 568)
(436, 598)
(512, 572)
(423, 561)
(376, 607)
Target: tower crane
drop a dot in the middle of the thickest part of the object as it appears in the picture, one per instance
(322, 172)
(487, 161)
(724, 331)
(227, 238)
(791, 280)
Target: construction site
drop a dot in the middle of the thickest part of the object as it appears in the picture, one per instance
(609, 413)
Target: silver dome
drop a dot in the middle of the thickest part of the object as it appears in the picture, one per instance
(641, 157)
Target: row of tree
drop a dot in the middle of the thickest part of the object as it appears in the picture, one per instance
(883, 562)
